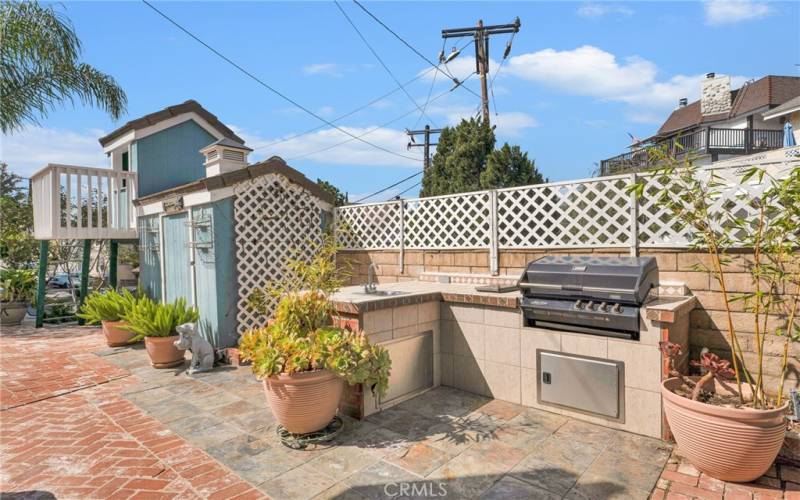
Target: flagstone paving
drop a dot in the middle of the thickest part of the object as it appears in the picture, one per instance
(145, 433)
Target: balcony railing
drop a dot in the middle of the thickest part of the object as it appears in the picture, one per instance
(705, 141)
(72, 202)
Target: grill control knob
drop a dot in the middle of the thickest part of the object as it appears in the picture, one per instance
(578, 304)
(617, 308)
(590, 305)
(603, 307)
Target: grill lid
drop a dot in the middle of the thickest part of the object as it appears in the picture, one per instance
(624, 279)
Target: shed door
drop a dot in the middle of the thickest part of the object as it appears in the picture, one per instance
(177, 268)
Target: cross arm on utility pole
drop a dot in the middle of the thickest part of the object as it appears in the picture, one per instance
(426, 143)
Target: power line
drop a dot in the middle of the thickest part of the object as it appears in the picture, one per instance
(268, 87)
(374, 53)
(388, 187)
(398, 195)
(420, 54)
(499, 67)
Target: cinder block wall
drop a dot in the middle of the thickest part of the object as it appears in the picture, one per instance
(708, 322)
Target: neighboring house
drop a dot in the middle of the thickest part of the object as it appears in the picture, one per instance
(786, 112)
(722, 124)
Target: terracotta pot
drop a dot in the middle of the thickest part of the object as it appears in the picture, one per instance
(304, 402)
(162, 351)
(730, 444)
(12, 313)
(116, 335)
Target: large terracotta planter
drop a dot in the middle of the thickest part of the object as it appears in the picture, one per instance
(730, 444)
(304, 402)
(12, 313)
(162, 351)
(116, 335)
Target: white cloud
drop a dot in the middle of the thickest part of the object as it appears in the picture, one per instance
(593, 72)
(593, 9)
(460, 67)
(734, 11)
(326, 111)
(510, 123)
(332, 146)
(330, 69)
(33, 148)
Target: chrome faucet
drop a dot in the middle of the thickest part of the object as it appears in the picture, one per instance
(371, 286)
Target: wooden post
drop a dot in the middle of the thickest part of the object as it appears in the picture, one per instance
(44, 249)
(87, 250)
(113, 249)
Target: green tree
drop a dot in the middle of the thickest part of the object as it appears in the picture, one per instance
(339, 197)
(509, 167)
(459, 159)
(41, 69)
(17, 246)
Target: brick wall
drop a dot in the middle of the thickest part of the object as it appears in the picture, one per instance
(708, 322)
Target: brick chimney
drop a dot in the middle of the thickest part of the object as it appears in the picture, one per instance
(224, 155)
(715, 94)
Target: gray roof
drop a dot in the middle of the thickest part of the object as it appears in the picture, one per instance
(229, 143)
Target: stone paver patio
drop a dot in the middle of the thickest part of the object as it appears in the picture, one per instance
(125, 430)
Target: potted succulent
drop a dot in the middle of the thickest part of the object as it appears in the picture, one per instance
(156, 323)
(18, 286)
(302, 359)
(109, 308)
(729, 421)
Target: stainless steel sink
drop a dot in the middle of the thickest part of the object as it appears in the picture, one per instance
(383, 293)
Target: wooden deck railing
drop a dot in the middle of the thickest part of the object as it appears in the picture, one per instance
(71, 202)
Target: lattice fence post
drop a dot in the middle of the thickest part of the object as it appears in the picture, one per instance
(402, 257)
(494, 256)
(634, 207)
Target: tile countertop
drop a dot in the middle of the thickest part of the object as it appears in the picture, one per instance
(353, 300)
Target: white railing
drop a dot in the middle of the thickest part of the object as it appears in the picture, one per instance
(588, 213)
(71, 202)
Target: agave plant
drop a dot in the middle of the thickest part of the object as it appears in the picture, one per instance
(107, 306)
(148, 318)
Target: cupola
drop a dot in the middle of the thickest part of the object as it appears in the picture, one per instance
(224, 155)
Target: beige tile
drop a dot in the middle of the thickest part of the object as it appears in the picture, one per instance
(502, 345)
(584, 345)
(428, 311)
(446, 369)
(467, 313)
(642, 413)
(405, 316)
(502, 317)
(642, 363)
(536, 338)
(446, 328)
(437, 369)
(649, 331)
(445, 311)
(528, 379)
(436, 329)
(378, 321)
(468, 375)
(468, 340)
(377, 338)
(407, 331)
(503, 381)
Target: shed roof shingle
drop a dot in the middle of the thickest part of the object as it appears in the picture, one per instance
(170, 111)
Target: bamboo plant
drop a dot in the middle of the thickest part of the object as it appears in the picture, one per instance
(692, 197)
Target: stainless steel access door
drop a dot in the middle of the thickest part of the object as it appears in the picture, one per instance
(580, 383)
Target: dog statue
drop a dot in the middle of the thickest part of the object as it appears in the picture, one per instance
(201, 349)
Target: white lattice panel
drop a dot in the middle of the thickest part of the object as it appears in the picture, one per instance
(461, 221)
(369, 227)
(580, 214)
(274, 220)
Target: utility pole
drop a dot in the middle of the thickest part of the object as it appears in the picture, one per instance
(481, 35)
(426, 144)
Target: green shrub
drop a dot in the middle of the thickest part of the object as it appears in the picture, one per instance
(18, 285)
(148, 318)
(107, 306)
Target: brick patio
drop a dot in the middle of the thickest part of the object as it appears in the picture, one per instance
(81, 420)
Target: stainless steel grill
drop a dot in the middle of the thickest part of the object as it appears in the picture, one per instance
(588, 294)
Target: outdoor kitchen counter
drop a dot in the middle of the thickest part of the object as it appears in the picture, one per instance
(353, 299)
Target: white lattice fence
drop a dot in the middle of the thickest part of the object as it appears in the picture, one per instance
(569, 214)
(461, 221)
(374, 226)
(275, 220)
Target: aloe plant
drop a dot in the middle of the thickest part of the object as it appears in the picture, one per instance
(107, 306)
(148, 318)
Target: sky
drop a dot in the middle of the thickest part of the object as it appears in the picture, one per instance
(580, 77)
